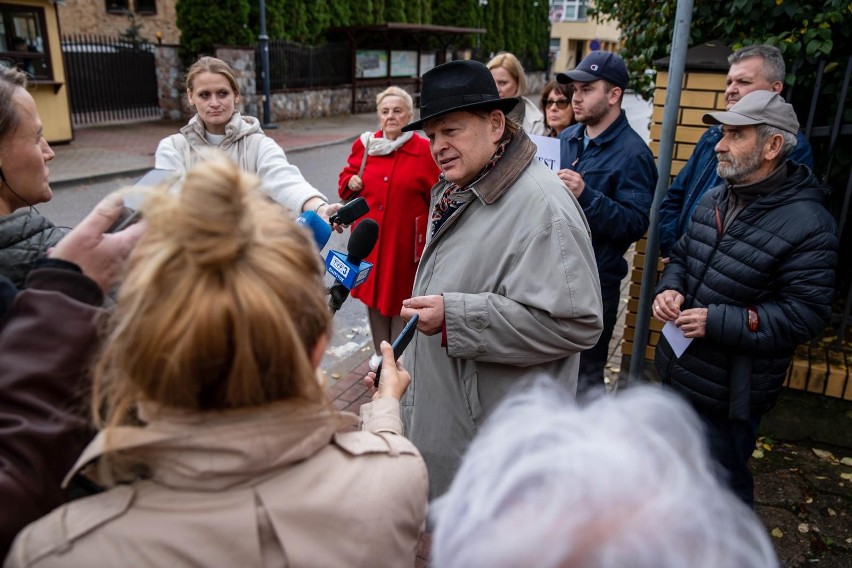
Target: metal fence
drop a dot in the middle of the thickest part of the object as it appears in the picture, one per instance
(828, 107)
(110, 79)
(296, 66)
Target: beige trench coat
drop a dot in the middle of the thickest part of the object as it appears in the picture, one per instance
(281, 486)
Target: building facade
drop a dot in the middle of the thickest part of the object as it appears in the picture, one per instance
(573, 35)
(153, 20)
(29, 39)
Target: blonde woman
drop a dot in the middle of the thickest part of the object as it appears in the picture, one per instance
(511, 81)
(218, 446)
(212, 90)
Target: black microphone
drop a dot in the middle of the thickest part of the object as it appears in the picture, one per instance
(347, 214)
(351, 270)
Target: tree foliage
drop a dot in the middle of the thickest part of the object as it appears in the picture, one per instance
(204, 24)
(804, 30)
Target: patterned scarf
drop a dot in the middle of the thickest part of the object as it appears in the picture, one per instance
(448, 204)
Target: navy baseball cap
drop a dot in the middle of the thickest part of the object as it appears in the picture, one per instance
(595, 66)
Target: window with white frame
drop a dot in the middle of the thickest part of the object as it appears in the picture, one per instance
(568, 10)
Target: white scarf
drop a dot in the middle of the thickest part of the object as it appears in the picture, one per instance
(383, 146)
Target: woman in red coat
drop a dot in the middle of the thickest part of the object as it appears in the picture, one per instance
(394, 177)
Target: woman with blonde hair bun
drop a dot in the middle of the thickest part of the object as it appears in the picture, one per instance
(218, 445)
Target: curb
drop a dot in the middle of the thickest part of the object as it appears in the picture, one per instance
(96, 178)
(89, 179)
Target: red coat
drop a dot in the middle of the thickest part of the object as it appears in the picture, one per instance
(397, 189)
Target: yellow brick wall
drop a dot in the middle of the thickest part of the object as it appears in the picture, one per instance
(701, 92)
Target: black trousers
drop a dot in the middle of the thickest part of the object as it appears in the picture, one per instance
(593, 361)
(731, 443)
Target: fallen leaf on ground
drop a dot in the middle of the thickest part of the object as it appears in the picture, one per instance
(846, 476)
(804, 528)
(335, 375)
(757, 454)
(776, 532)
(809, 500)
(824, 454)
(832, 512)
(846, 461)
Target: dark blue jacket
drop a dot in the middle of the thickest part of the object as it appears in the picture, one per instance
(620, 175)
(697, 177)
(777, 256)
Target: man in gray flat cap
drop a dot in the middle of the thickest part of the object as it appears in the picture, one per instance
(752, 278)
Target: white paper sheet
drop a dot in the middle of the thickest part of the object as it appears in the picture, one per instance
(676, 339)
(547, 151)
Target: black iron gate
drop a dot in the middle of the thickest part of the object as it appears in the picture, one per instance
(110, 79)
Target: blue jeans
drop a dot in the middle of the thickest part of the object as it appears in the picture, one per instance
(731, 443)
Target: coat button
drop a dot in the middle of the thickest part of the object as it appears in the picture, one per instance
(381, 207)
(386, 178)
(480, 348)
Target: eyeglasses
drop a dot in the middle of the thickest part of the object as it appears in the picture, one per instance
(561, 104)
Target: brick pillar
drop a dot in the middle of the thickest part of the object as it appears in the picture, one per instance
(241, 60)
(170, 83)
(703, 91)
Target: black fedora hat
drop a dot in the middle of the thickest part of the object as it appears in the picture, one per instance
(458, 85)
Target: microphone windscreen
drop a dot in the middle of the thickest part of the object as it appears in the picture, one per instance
(320, 228)
(362, 241)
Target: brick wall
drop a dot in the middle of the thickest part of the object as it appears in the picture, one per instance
(702, 92)
(91, 17)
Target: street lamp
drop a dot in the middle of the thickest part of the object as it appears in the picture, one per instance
(264, 67)
(480, 20)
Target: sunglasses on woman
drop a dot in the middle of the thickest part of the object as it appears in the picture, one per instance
(561, 104)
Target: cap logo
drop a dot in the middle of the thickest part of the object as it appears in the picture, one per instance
(594, 67)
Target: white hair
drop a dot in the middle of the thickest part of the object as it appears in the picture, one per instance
(623, 481)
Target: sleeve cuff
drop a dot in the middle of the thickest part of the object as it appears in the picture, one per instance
(381, 415)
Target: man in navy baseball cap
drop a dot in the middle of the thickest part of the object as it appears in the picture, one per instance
(611, 171)
(598, 65)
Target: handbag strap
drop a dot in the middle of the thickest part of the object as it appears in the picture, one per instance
(364, 159)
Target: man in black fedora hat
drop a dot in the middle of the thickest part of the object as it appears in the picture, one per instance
(507, 283)
(611, 172)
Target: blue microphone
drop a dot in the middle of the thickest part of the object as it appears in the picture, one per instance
(350, 270)
(320, 228)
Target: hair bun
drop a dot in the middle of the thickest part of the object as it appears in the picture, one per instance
(212, 225)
